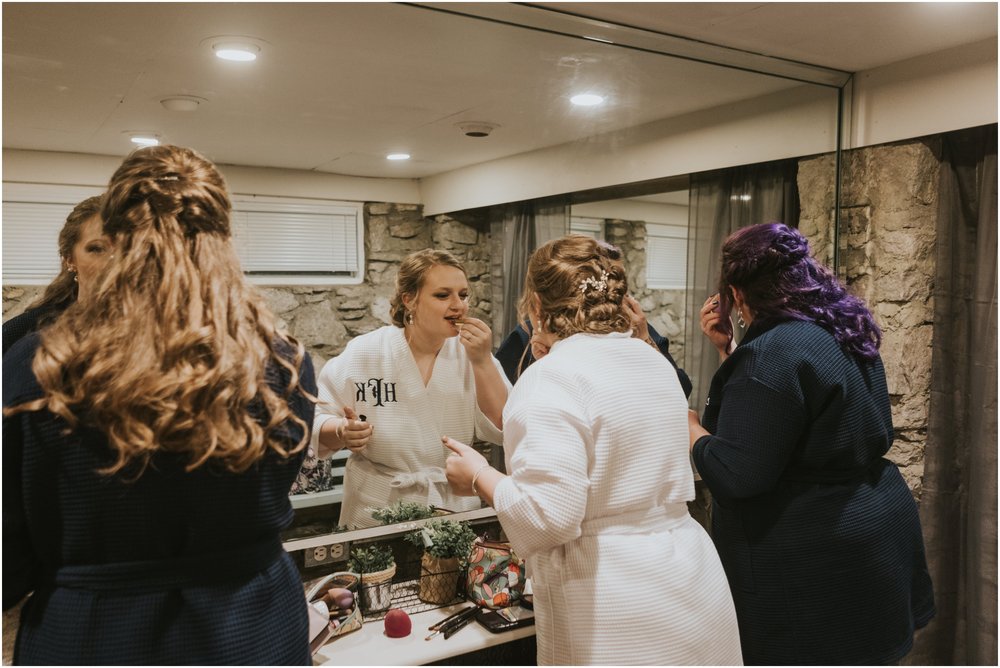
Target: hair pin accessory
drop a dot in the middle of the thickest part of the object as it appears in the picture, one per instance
(593, 283)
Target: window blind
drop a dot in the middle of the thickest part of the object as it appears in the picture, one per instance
(666, 256)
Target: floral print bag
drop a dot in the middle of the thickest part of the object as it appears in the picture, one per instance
(495, 576)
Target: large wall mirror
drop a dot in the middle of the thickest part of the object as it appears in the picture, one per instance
(642, 170)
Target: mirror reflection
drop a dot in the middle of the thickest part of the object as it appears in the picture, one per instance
(506, 161)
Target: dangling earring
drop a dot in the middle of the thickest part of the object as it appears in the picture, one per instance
(740, 321)
(409, 317)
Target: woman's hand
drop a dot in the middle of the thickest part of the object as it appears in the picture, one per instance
(538, 348)
(477, 338)
(461, 465)
(695, 430)
(640, 329)
(354, 434)
(711, 326)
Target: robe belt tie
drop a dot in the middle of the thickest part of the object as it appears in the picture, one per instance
(425, 478)
(210, 568)
(659, 518)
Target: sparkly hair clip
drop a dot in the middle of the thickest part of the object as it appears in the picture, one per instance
(170, 177)
(593, 283)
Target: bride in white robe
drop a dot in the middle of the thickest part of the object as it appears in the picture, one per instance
(596, 444)
(430, 374)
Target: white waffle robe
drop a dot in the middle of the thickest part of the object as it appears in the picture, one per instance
(377, 376)
(596, 443)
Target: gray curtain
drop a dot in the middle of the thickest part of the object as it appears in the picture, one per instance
(721, 202)
(958, 506)
(523, 227)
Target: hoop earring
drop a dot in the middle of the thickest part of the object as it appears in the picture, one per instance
(741, 322)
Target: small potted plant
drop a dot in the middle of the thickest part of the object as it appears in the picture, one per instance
(376, 566)
(446, 547)
(403, 511)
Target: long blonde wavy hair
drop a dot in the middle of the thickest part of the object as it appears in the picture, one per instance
(171, 353)
(581, 289)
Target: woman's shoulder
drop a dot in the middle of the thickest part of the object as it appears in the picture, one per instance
(19, 382)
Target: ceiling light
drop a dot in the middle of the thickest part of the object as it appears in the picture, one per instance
(398, 156)
(586, 100)
(144, 139)
(182, 102)
(238, 51)
(598, 39)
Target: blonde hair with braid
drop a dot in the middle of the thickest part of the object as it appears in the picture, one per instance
(579, 287)
(171, 353)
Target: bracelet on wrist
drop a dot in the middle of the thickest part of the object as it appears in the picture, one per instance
(475, 477)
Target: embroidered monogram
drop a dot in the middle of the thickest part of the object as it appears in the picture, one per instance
(381, 391)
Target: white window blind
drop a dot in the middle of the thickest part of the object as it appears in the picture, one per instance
(592, 227)
(30, 221)
(284, 241)
(666, 256)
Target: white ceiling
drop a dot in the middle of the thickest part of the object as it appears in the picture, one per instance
(339, 85)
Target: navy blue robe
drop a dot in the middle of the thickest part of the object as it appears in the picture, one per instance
(819, 535)
(172, 568)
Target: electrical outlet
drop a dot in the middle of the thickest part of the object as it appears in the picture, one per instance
(325, 554)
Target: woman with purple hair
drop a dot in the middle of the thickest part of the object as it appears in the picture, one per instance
(818, 533)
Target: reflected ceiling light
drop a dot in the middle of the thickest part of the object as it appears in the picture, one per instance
(144, 139)
(740, 198)
(237, 51)
(586, 99)
(398, 156)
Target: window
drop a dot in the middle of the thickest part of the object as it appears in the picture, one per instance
(592, 227)
(32, 216)
(666, 256)
(283, 241)
(280, 241)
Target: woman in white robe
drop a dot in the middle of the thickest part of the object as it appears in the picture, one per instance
(393, 392)
(595, 441)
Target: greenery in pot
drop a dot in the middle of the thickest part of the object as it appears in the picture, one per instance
(403, 511)
(371, 559)
(448, 539)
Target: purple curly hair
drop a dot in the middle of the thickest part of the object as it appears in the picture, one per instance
(771, 265)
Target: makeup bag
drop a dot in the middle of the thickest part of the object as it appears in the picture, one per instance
(324, 628)
(495, 576)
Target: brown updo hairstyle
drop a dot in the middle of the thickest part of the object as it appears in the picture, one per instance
(410, 277)
(581, 289)
(63, 289)
(171, 353)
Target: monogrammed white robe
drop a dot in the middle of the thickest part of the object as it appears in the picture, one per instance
(596, 443)
(377, 376)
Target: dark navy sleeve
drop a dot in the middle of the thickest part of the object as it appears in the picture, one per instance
(663, 345)
(511, 352)
(758, 430)
(20, 564)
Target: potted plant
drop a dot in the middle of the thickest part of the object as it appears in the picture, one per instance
(446, 547)
(376, 566)
(403, 511)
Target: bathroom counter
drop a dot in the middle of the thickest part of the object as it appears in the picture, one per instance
(369, 646)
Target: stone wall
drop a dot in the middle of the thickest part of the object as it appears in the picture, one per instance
(888, 217)
(325, 318)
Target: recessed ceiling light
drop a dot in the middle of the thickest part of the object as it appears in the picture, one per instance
(238, 51)
(398, 156)
(586, 100)
(144, 139)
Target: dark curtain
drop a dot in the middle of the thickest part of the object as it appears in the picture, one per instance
(958, 506)
(721, 202)
(523, 227)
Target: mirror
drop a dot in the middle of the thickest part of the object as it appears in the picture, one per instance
(383, 72)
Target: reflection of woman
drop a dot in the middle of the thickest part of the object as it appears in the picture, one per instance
(596, 446)
(393, 392)
(150, 437)
(517, 352)
(84, 251)
(818, 533)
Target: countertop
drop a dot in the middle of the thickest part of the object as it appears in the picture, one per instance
(369, 646)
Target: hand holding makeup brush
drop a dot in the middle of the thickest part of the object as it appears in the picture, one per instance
(477, 338)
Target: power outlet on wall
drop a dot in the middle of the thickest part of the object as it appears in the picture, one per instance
(325, 554)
